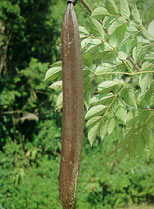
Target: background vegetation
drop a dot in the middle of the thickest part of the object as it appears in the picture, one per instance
(30, 126)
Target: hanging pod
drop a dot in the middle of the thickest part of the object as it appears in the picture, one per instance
(73, 109)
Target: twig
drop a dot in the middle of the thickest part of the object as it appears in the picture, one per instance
(12, 112)
(124, 73)
(133, 63)
(86, 5)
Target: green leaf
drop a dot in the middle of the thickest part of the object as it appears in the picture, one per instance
(93, 53)
(147, 35)
(141, 54)
(86, 42)
(53, 73)
(151, 141)
(144, 81)
(99, 12)
(129, 96)
(94, 111)
(93, 120)
(146, 135)
(87, 96)
(126, 48)
(147, 66)
(102, 99)
(120, 111)
(56, 64)
(118, 36)
(151, 28)
(134, 54)
(99, 27)
(131, 43)
(117, 23)
(56, 85)
(131, 27)
(149, 56)
(108, 86)
(87, 90)
(111, 125)
(139, 144)
(108, 20)
(92, 133)
(122, 55)
(83, 30)
(131, 149)
(104, 67)
(124, 9)
(103, 130)
(59, 102)
(136, 15)
(111, 7)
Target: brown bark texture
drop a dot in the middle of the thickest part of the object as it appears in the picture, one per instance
(73, 109)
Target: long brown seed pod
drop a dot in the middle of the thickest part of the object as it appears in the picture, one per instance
(73, 109)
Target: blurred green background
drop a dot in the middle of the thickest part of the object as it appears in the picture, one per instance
(30, 128)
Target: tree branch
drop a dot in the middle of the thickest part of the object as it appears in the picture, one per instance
(86, 5)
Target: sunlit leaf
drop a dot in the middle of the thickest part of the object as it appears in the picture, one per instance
(99, 27)
(92, 133)
(124, 9)
(99, 12)
(147, 35)
(102, 99)
(147, 66)
(93, 120)
(83, 30)
(121, 111)
(144, 81)
(107, 86)
(94, 111)
(103, 130)
(56, 85)
(136, 15)
(108, 20)
(117, 23)
(151, 28)
(59, 101)
(111, 6)
(53, 73)
(129, 96)
(122, 55)
(111, 125)
(118, 36)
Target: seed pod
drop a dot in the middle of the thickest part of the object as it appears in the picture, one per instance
(73, 109)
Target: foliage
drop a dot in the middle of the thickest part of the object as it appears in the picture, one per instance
(115, 184)
(29, 179)
(34, 181)
(30, 34)
(118, 67)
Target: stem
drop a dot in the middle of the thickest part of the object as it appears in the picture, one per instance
(86, 5)
(115, 98)
(124, 73)
(133, 63)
